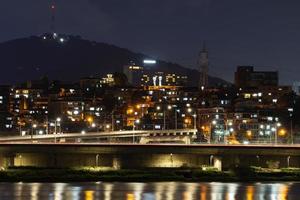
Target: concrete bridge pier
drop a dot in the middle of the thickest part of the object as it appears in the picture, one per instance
(216, 162)
(116, 162)
(7, 160)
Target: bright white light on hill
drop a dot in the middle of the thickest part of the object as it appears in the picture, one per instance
(149, 61)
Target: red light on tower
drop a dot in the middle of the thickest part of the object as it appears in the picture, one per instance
(52, 11)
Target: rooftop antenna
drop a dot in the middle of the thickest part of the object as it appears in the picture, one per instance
(53, 12)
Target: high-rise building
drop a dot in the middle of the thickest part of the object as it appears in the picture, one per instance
(245, 76)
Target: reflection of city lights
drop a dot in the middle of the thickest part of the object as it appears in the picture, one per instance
(203, 192)
(190, 191)
(250, 192)
(108, 188)
(283, 192)
(59, 189)
(138, 189)
(231, 191)
(130, 196)
(89, 195)
(35, 191)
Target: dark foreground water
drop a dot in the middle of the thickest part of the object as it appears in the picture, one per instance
(149, 191)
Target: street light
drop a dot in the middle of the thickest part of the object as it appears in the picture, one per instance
(112, 121)
(291, 110)
(195, 121)
(213, 123)
(164, 115)
(56, 123)
(32, 130)
(137, 121)
(58, 120)
(276, 132)
(176, 111)
(133, 135)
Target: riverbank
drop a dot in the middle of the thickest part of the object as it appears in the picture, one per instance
(30, 174)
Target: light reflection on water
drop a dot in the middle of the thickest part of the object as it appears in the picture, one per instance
(149, 191)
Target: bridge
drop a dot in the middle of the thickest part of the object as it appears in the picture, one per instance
(184, 136)
(133, 156)
(139, 149)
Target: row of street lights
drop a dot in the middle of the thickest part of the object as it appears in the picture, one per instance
(56, 124)
(176, 111)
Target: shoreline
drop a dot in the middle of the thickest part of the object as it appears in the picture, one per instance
(52, 175)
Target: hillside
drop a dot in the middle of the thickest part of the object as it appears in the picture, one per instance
(70, 58)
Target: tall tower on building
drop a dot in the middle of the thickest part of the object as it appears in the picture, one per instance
(203, 67)
(53, 12)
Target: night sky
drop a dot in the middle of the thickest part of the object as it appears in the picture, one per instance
(264, 33)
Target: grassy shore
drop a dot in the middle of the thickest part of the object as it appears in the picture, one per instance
(30, 174)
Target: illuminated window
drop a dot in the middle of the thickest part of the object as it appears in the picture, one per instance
(247, 96)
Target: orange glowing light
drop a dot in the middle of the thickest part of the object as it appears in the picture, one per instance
(282, 132)
(129, 111)
(249, 134)
(90, 119)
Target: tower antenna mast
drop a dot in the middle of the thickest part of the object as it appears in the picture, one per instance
(53, 12)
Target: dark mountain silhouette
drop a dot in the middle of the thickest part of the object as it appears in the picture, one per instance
(70, 58)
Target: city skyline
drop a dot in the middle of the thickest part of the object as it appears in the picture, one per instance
(237, 33)
(149, 99)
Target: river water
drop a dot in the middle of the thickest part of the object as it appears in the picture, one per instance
(150, 191)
